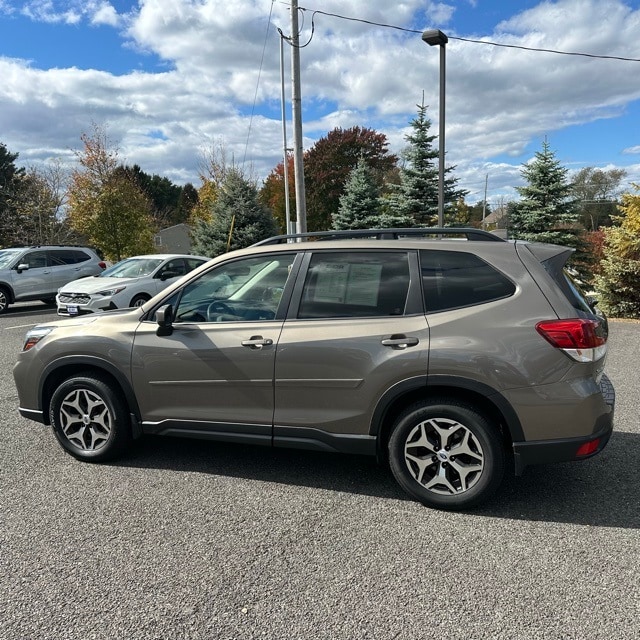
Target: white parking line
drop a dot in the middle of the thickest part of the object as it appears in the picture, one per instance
(23, 326)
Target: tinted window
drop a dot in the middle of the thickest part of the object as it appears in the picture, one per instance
(35, 259)
(355, 284)
(452, 279)
(67, 256)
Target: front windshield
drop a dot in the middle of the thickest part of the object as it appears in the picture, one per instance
(132, 268)
(6, 256)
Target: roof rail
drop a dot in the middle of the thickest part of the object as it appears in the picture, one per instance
(386, 234)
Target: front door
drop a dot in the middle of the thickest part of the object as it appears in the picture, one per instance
(214, 373)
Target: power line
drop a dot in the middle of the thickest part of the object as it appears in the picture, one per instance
(255, 95)
(315, 12)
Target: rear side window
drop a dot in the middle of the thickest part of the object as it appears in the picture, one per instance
(68, 256)
(354, 284)
(453, 279)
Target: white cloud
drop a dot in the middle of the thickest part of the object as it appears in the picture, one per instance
(498, 99)
(632, 150)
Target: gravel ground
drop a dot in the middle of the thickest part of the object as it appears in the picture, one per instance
(197, 540)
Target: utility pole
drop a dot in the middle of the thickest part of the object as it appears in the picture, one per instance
(484, 202)
(287, 212)
(296, 103)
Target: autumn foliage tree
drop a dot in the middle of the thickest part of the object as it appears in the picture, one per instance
(105, 203)
(328, 164)
(618, 284)
(272, 194)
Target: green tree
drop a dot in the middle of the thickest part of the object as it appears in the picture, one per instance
(238, 219)
(546, 211)
(105, 203)
(597, 192)
(360, 205)
(11, 180)
(618, 284)
(329, 162)
(416, 196)
(170, 203)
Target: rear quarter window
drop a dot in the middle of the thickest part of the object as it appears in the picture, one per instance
(454, 279)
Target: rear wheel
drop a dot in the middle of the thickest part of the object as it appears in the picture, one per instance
(89, 419)
(4, 299)
(446, 454)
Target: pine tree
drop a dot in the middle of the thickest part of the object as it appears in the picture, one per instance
(546, 211)
(416, 197)
(618, 285)
(360, 204)
(238, 219)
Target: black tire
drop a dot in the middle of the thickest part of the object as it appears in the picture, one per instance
(4, 300)
(446, 454)
(139, 300)
(89, 419)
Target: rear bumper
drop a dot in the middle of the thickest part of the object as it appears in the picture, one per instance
(565, 450)
(569, 449)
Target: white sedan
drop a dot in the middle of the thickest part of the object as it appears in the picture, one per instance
(129, 283)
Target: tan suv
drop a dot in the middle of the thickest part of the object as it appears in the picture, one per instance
(454, 355)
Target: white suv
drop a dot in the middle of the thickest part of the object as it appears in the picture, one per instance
(129, 283)
(36, 273)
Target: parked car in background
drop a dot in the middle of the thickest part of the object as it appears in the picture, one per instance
(128, 283)
(36, 273)
(453, 354)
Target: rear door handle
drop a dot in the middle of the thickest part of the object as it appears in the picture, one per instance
(257, 342)
(399, 341)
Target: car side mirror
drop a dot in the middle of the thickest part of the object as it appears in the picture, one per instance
(22, 267)
(164, 318)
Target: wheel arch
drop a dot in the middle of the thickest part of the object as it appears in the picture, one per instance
(67, 367)
(487, 400)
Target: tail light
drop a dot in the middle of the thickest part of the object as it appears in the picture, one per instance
(582, 339)
(102, 265)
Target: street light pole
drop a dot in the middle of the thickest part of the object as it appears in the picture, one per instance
(436, 37)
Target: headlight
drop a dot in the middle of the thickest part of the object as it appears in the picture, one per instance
(34, 336)
(111, 292)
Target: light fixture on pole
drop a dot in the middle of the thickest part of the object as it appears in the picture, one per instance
(435, 37)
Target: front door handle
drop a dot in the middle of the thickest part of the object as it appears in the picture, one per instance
(400, 341)
(257, 342)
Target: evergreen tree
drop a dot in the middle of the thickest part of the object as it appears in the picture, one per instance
(237, 220)
(11, 180)
(546, 211)
(416, 197)
(618, 284)
(360, 204)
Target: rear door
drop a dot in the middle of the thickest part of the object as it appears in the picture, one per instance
(355, 329)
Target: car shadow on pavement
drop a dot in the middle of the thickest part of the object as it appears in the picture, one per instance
(601, 491)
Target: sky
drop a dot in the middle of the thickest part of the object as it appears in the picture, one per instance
(173, 80)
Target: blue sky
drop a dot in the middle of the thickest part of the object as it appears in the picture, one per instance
(171, 80)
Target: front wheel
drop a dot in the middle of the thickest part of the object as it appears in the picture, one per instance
(139, 300)
(446, 455)
(89, 419)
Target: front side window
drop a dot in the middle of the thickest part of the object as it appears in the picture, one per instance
(454, 279)
(35, 259)
(240, 291)
(355, 284)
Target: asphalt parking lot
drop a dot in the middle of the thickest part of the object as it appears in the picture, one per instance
(199, 540)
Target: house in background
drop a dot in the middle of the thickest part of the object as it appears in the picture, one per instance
(175, 239)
